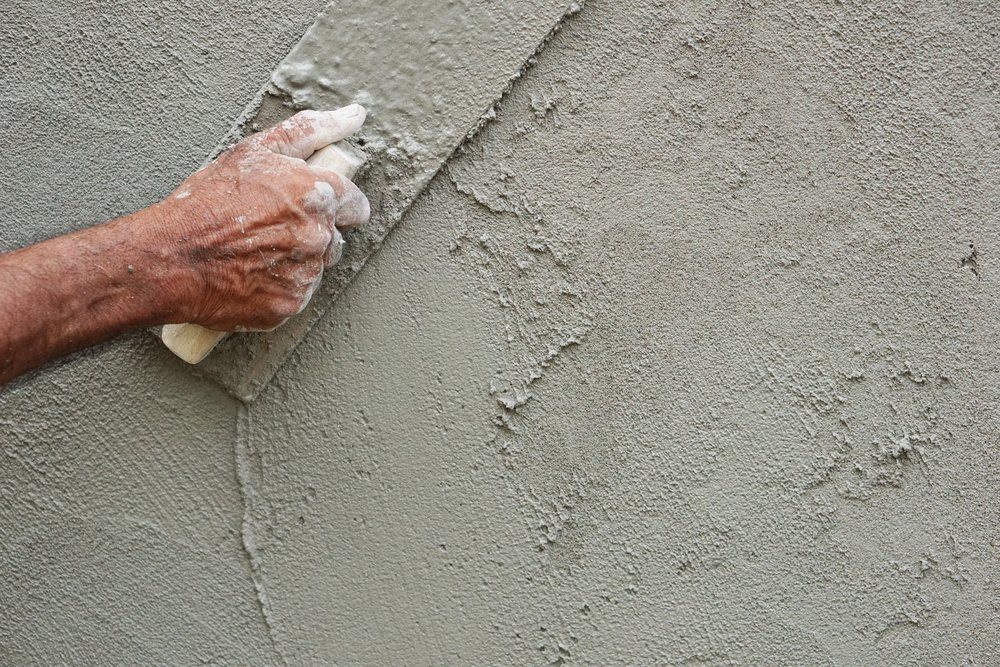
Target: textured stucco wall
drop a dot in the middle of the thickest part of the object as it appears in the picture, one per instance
(120, 511)
(688, 357)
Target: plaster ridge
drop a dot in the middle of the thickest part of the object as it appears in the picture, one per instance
(244, 462)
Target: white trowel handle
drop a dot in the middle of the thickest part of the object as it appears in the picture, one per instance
(192, 342)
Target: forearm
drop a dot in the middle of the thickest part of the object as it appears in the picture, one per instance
(69, 292)
(240, 245)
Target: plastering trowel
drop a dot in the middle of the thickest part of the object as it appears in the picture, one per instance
(192, 342)
(425, 96)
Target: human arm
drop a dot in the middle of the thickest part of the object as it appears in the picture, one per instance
(240, 245)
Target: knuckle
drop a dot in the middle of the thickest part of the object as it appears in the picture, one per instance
(320, 239)
(320, 197)
(308, 238)
(282, 135)
(302, 122)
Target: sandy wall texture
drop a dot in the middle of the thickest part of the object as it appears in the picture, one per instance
(688, 357)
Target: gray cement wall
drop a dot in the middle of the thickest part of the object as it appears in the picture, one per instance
(688, 357)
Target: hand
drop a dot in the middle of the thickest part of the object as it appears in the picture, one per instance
(255, 228)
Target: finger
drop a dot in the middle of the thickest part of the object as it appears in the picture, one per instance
(353, 208)
(308, 131)
(321, 202)
(334, 251)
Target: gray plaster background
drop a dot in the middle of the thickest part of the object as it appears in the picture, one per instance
(688, 357)
(119, 508)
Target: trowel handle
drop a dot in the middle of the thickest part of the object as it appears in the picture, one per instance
(192, 342)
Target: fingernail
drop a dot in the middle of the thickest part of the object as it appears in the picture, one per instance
(353, 110)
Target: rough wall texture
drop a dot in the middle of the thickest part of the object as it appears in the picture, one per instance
(120, 512)
(689, 357)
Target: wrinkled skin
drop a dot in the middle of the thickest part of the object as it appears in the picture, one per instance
(257, 226)
(240, 245)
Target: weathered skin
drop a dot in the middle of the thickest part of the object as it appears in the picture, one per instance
(241, 244)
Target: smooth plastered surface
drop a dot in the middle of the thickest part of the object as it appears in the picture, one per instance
(688, 357)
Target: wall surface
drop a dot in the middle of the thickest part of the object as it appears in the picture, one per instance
(120, 511)
(688, 357)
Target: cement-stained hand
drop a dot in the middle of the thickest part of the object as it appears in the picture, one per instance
(258, 225)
